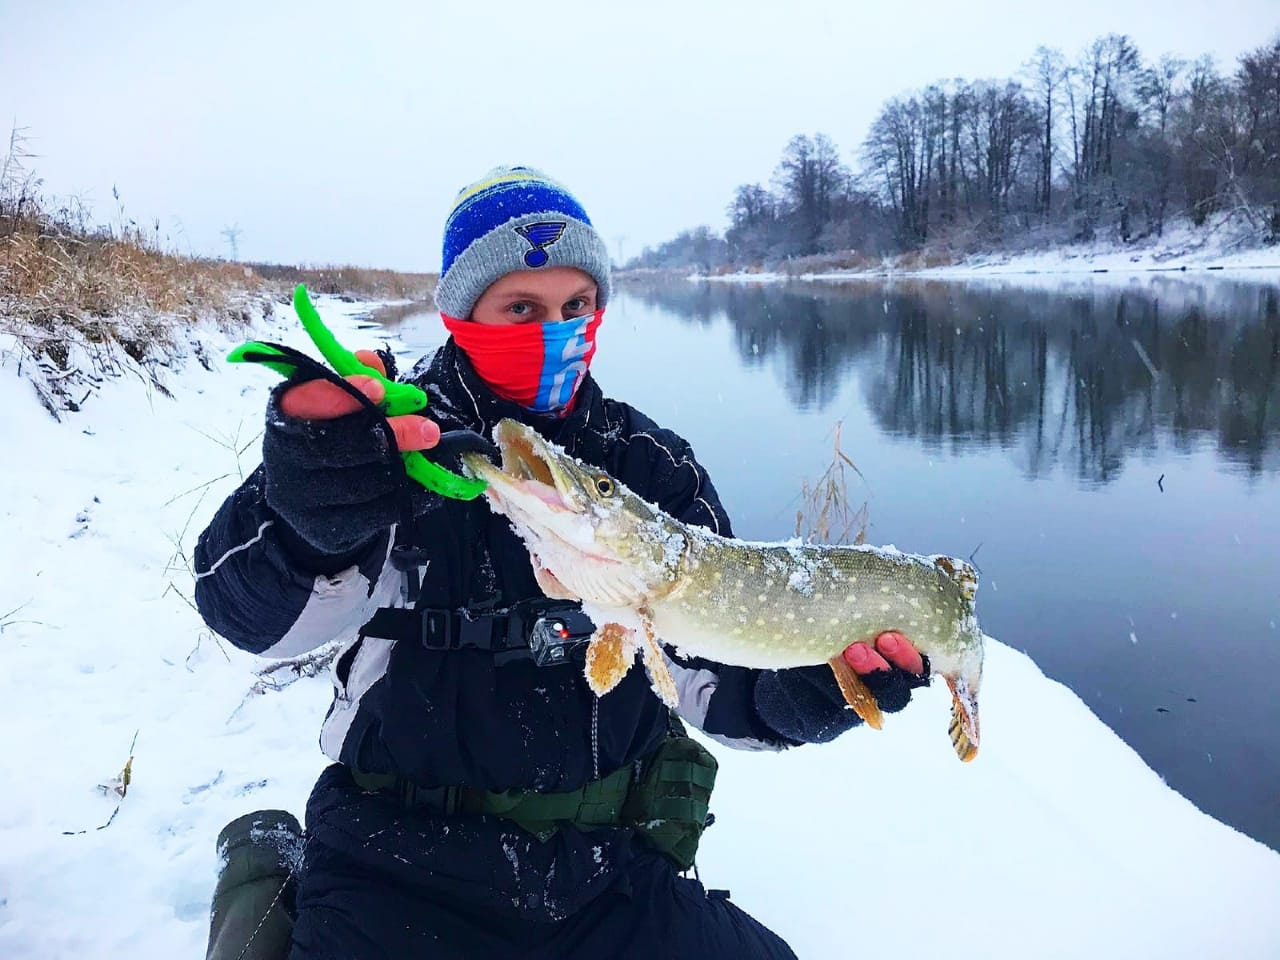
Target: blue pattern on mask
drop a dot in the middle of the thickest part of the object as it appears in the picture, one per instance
(564, 364)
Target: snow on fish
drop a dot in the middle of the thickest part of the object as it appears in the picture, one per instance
(646, 579)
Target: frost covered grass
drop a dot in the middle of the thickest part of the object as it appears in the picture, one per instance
(80, 303)
(1058, 841)
(350, 281)
(74, 307)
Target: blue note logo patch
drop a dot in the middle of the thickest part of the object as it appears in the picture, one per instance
(540, 236)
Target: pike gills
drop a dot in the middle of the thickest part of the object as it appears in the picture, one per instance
(645, 577)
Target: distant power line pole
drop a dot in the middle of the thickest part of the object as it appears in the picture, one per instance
(618, 241)
(232, 234)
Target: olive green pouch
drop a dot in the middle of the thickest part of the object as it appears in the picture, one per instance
(669, 803)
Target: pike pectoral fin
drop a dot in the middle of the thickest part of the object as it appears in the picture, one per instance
(550, 585)
(655, 664)
(856, 693)
(609, 656)
(964, 720)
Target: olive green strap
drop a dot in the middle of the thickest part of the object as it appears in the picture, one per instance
(596, 804)
(668, 803)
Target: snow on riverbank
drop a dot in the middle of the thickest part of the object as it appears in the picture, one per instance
(1181, 251)
(1056, 842)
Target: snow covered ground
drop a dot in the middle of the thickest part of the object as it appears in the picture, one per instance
(1056, 842)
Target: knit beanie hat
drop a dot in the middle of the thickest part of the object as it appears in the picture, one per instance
(515, 218)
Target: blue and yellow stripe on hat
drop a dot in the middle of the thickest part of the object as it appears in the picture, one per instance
(495, 200)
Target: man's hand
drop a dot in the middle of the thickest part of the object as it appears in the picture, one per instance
(891, 649)
(330, 471)
(805, 704)
(322, 400)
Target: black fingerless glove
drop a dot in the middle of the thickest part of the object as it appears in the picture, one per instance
(805, 705)
(336, 483)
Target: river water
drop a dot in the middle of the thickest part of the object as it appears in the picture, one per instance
(1107, 453)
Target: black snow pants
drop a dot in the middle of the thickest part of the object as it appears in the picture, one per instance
(378, 882)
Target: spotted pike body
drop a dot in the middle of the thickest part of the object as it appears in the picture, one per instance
(645, 578)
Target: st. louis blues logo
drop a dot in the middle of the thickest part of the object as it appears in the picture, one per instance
(540, 235)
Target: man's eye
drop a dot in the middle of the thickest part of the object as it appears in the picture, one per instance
(520, 309)
(576, 304)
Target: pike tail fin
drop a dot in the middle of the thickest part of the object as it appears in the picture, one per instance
(856, 693)
(962, 574)
(964, 719)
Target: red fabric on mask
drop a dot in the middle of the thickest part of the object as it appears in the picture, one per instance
(537, 365)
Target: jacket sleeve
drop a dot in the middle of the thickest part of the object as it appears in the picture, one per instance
(266, 590)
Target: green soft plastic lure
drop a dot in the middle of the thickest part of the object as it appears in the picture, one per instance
(400, 399)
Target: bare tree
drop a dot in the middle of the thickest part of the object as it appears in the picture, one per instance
(1258, 81)
(1103, 95)
(1158, 88)
(1202, 131)
(1001, 131)
(899, 149)
(753, 224)
(1048, 74)
(947, 106)
(810, 177)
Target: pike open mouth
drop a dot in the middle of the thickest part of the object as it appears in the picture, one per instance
(528, 471)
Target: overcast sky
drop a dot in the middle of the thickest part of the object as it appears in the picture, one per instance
(339, 132)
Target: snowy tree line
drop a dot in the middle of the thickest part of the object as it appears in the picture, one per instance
(1103, 146)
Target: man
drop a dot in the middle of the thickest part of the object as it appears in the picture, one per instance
(482, 802)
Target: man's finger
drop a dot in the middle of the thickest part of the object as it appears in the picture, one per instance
(414, 432)
(322, 400)
(901, 652)
(371, 359)
(863, 659)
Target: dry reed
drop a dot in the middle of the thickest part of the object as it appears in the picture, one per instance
(78, 302)
(827, 514)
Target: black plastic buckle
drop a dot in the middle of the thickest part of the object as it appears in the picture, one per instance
(438, 629)
(442, 800)
(404, 558)
(454, 629)
(476, 633)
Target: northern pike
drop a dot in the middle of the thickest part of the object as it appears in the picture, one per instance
(645, 578)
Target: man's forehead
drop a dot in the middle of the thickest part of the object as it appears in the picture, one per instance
(536, 283)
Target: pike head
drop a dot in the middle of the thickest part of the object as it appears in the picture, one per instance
(600, 542)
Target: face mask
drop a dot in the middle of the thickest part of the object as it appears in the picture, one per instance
(538, 365)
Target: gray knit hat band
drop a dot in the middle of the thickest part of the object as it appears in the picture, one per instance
(530, 241)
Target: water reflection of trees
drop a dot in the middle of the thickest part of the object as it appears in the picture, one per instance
(1081, 378)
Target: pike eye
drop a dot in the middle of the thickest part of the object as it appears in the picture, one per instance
(604, 486)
